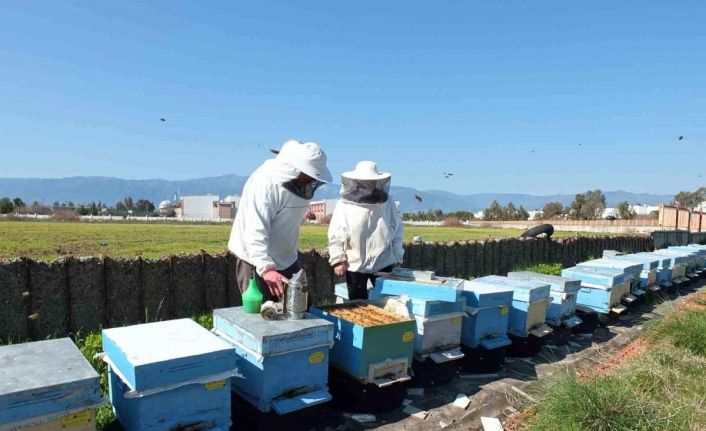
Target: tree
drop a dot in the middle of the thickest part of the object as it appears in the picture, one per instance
(6, 206)
(17, 202)
(145, 206)
(93, 209)
(625, 212)
(522, 213)
(587, 206)
(82, 210)
(494, 212)
(552, 210)
(509, 212)
(688, 200)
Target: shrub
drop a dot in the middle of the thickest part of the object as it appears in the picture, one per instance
(66, 214)
(452, 222)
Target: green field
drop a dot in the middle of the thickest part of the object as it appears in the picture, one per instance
(51, 239)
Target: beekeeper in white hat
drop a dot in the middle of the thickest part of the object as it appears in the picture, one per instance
(273, 203)
(366, 231)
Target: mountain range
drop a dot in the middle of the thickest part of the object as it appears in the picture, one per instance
(111, 190)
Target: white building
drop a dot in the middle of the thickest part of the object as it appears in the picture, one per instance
(643, 210)
(206, 208)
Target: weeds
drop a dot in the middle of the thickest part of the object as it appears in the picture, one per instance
(543, 268)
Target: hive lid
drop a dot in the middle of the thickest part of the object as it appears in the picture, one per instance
(481, 295)
(523, 290)
(607, 277)
(45, 377)
(627, 266)
(663, 261)
(648, 263)
(158, 354)
(556, 283)
(439, 289)
(268, 337)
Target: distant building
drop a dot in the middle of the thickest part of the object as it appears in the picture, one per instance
(205, 208)
(320, 209)
(643, 210)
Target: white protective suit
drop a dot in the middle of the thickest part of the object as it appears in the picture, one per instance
(367, 236)
(266, 227)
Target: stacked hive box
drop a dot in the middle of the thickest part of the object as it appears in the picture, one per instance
(484, 337)
(601, 289)
(666, 273)
(679, 263)
(370, 357)
(284, 362)
(47, 385)
(530, 300)
(650, 265)
(561, 314)
(437, 307)
(632, 271)
(169, 375)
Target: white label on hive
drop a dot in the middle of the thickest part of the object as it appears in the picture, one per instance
(316, 357)
(215, 385)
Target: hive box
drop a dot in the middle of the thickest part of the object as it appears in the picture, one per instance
(632, 271)
(698, 253)
(432, 289)
(47, 385)
(169, 375)
(679, 263)
(378, 354)
(665, 269)
(488, 314)
(650, 265)
(601, 289)
(284, 362)
(530, 300)
(562, 309)
(438, 336)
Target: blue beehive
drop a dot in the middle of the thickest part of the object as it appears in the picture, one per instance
(632, 271)
(168, 375)
(665, 271)
(562, 309)
(698, 256)
(530, 300)
(433, 289)
(488, 309)
(679, 263)
(371, 345)
(650, 265)
(601, 289)
(43, 380)
(284, 362)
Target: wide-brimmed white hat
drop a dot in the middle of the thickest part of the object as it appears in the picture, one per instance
(366, 170)
(307, 157)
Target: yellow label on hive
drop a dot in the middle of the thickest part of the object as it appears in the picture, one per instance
(408, 336)
(456, 320)
(504, 310)
(76, 418)
(215, 384)
(316, 357)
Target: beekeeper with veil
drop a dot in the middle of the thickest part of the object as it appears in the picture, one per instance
(273, 203)
(366, 231)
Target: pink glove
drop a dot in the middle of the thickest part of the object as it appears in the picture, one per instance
(275, 281)
(340, 269)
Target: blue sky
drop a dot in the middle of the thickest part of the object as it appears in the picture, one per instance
(513, 96)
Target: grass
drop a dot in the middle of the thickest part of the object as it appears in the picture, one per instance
(661, 389)
(543, 268)
(52, 239)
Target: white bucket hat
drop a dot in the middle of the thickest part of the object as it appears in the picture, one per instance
(366, 170)
(307, 157)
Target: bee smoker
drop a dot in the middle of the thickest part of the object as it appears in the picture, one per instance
(296, 296)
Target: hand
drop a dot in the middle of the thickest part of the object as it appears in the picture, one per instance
(275, 282)
(340, 269)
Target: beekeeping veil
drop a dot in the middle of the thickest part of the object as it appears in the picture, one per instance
(365, 184)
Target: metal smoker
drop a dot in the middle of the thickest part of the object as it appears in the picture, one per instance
(296, 296)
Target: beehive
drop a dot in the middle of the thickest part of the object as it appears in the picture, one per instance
(371, 345)
(167, 375)
(47, 385)
(530, 300)
(284, 362)
(697, 255)
(488, 313)
(665, 270)
(632, 271)
(601, 289)
(562, 309)
(679, 264)
(648, 275)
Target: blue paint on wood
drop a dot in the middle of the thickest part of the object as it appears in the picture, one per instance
(279, 360)
(43, 378)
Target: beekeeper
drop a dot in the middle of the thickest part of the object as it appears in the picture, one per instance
(272, 206)
(365, 234)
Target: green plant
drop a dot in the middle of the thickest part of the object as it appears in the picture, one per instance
(91, 344)
(543, 268)
(686, 329)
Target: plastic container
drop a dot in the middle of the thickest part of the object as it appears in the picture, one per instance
(252, 298)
